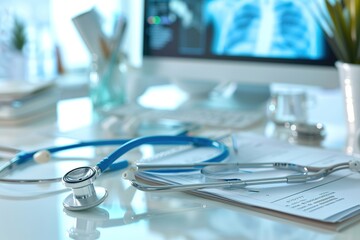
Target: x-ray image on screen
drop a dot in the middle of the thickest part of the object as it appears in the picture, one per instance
(264, 28)
(192, 32)
(251, 29)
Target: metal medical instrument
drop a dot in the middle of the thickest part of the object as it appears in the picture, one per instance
(81, 180)
(84, 195)
(219, 170)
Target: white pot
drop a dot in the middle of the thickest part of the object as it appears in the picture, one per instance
(349, 77)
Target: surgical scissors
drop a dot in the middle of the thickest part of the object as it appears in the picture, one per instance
(304, 174)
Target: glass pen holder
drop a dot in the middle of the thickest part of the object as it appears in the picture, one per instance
(107, 79)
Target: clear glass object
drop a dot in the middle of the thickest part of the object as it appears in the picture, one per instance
(107, 82)
(288, 107)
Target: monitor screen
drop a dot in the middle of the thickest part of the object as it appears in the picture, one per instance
(249, 41)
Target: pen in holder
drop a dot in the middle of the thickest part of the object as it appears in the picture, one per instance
(107, 81)
(107, 77)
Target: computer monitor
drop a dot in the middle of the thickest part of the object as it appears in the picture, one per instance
(244, 41)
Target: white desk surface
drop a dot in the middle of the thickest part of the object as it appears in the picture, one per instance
(131, 214)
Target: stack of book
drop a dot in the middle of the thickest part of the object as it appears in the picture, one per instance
(22, 102)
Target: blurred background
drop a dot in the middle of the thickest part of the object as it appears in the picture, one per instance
(52, 43)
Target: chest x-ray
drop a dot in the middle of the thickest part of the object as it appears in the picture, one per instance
(263, 28)
(275, 29)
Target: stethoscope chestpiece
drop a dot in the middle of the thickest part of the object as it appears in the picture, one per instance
(84, 195)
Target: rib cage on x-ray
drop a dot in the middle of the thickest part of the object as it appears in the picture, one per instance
(291, 28)
(269, 28)
(244, 28)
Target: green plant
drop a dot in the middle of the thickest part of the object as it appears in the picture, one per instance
(18, 37)
(340, 20)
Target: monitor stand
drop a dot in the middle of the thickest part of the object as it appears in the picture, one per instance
(239, 96)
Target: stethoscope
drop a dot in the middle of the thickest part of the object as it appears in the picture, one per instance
(85, 195)
(218, 171)
(81, 180)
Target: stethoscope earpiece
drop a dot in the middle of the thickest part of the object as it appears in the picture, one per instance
(42, 156)
(84, 195)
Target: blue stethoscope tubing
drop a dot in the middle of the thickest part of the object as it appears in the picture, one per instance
(108, 163)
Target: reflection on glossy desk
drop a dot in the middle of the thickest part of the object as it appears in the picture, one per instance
(131, 214)
(31, 212)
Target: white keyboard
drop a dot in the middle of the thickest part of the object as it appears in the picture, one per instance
(218, 118)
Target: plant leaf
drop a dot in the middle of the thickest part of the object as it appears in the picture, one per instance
(18, 35)
(345, 27)
(323, 19)
(353, 7)
(357, 23)
(339, 35)
(327, 27)
(335, 47)
(349, 5)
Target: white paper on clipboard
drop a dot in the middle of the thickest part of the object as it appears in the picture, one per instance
(331, 201)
